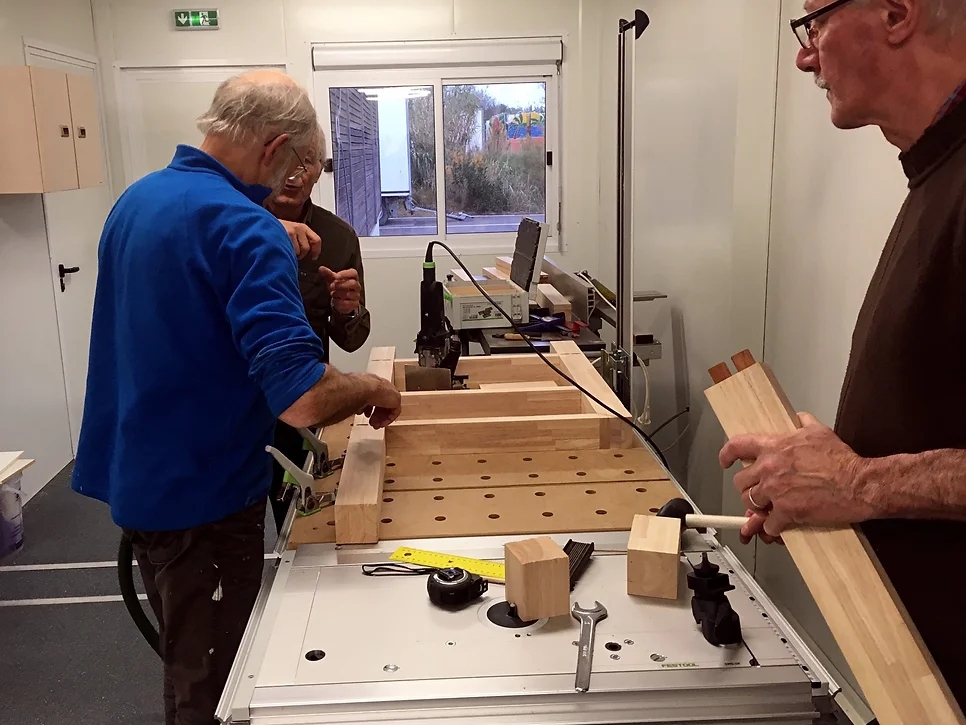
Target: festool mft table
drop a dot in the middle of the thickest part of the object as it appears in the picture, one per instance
(522, 453)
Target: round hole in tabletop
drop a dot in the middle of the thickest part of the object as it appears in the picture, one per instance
(390, 480)
(590, 491)
(613, 647)
(489, 495)
(539, 493)
(437, 498)
(387, 500)
(484, 478)
(494, 516)
(601, 512)
(437, 463)
(331, 523)
(653, 510)
(618, 455)
(527, 459)
(314, 655)
(387, 521)
(390, 465)
(629, 471)
(534, 475)
(572, 458)
(441, 518)
(482, 460)
(548, 514)
(437, 480)
(581, 473)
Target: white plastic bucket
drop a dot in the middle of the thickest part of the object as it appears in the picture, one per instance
(11, 518)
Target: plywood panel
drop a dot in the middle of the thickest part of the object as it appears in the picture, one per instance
(86, 130)
(19, 149)
(54, 129)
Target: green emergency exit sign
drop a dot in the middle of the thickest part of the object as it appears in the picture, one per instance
(196, 19)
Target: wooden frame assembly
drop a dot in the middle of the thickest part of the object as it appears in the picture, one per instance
(521, 451)
(895, 671)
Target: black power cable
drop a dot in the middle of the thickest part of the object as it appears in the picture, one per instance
(526, 339)
(125, 579)
(670, 420)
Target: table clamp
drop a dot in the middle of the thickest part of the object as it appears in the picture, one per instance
(309, 502)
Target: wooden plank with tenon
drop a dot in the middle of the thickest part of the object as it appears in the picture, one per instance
(555, 400)
(359, 497)
(537, 578)
(895, 671)
(654, 557)
(484, 435)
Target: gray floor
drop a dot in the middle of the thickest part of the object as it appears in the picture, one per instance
(79, 663)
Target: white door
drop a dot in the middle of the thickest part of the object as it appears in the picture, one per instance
(74, 222)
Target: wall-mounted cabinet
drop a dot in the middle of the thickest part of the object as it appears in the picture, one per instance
(50, 136)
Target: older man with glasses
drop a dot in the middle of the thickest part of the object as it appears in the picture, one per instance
(896, 460)
(199, 343)
(331, 281)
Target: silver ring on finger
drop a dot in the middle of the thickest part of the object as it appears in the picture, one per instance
(753, 502)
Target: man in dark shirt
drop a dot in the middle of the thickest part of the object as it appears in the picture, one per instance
(896, 461)
(330, 281)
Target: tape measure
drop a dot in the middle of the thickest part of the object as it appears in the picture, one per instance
(488, 569)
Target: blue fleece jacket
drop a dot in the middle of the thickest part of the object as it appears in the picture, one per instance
(199, 341)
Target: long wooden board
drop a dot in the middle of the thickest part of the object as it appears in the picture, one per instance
(359, 496)
(483, 403)
(897, 674)
(582, 431)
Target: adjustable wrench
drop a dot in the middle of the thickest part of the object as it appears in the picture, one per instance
(588, 619)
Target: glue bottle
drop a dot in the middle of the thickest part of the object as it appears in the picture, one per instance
(11, 518)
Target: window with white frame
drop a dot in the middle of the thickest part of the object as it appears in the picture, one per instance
(449, 140)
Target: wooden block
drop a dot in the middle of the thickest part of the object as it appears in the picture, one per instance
(654, 557)
(537, 578)
(516, 368)
(460, 274)
(504, 264)
(894, 669)
(359, 497)
(549, 297)
(519, 386)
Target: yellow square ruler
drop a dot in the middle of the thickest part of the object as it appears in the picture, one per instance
(493, 570)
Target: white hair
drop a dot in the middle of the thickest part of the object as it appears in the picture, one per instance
(256, 106)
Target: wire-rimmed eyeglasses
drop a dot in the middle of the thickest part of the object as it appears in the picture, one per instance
(300, 170)
(804, 27)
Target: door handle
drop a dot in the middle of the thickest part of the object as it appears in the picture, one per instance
(62, 272)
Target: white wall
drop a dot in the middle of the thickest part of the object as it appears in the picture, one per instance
(33, 403)
(836, 195)
(692, 65)
(135, 32)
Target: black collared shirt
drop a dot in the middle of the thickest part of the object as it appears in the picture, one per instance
(340, 251)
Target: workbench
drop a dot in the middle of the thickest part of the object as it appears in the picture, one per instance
(532, 456)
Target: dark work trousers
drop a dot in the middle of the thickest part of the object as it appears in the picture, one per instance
(289, 441)
(201, 584)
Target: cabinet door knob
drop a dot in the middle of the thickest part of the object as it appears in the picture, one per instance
(81, 132)
(65, 131)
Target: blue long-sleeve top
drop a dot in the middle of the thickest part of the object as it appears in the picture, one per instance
(199, 341)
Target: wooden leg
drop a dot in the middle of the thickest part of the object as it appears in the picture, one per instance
(897, 674)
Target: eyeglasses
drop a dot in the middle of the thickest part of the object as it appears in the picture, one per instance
(804, 27)
(300, 170)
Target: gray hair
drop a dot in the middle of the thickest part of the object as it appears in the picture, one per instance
(256, 106)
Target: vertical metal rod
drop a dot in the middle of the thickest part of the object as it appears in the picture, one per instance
(621, 54)
(624, 349)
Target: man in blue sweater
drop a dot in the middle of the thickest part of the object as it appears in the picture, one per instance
(199, 343)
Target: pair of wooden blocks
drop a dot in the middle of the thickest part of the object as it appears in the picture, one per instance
(538, 570)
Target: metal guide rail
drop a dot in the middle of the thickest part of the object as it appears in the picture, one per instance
(327, 644)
